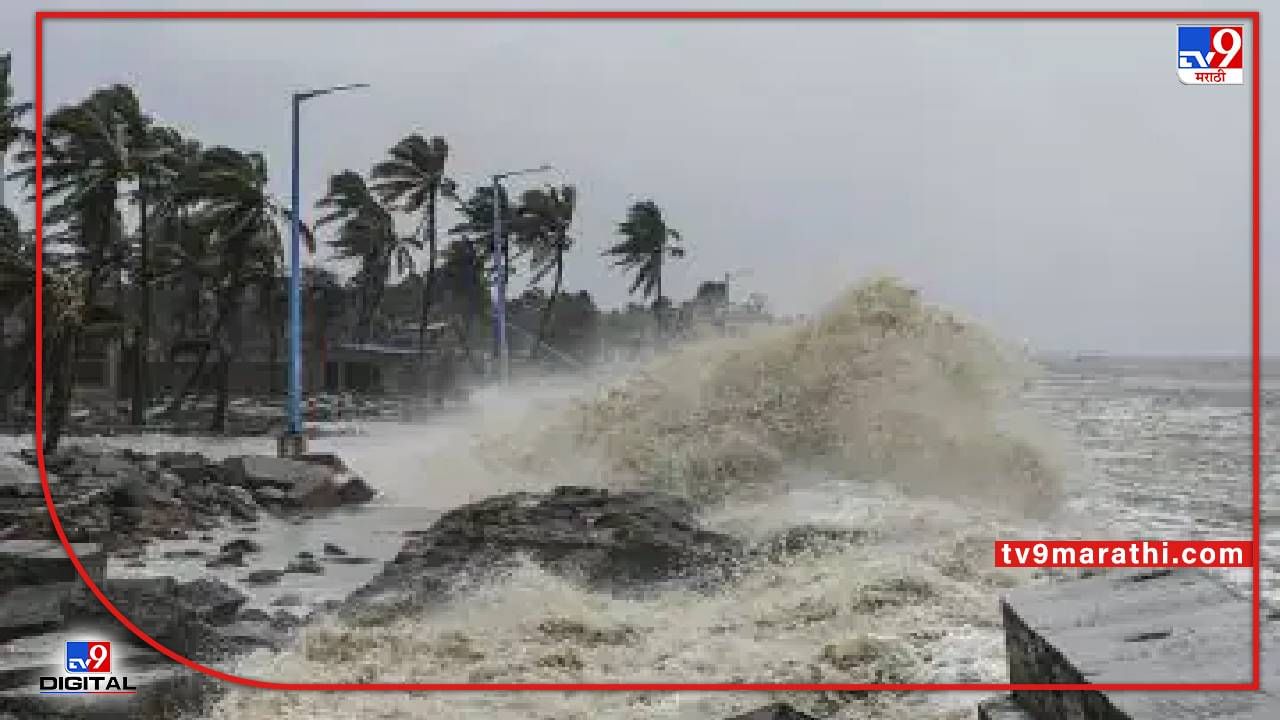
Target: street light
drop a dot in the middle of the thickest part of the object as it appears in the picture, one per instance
(293, 442)
(502, 351)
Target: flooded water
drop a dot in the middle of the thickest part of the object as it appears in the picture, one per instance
(1150, 448)
(1118, 448)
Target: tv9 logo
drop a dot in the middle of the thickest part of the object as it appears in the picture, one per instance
(1211, 54)
(88, 657)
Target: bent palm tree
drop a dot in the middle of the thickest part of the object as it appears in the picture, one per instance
(462, 277)
(17, 289)
(11, 129)
(244, 223)
(87, 149)
(542, 231)
(367, 233)
(647, 242)
(413, 177)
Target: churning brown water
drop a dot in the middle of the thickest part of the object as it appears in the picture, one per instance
(882, 415)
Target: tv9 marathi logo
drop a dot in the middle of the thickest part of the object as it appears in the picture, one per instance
(1211, 54)
(88, 657)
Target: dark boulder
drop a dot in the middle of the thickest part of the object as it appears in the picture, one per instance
(355, 491)
(238, 502)
(241, 545)
(226, 559)
(779, 711)
(34, 562)
(263, 577)
(307, 566)
(184, 554)
(296, 484)
(182, 616)
(211, 600)
(605, 539)
(191, 468)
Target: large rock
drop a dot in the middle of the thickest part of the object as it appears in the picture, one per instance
(193, 468)
(606, 539)
(183, 616)
(296, 484)
(34, 562)
(238, 502)
(1002, 707)
(33, 609)
(780, 711)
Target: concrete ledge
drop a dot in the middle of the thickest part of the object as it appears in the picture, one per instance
(1136, 627)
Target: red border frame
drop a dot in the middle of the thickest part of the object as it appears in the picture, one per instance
(1253, 17)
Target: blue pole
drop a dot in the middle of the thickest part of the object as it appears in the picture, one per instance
(295, 301)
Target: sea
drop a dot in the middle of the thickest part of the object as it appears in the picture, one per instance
(1141, 447)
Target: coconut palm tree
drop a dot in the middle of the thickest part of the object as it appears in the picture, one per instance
(476, 226)
(366, 233)
(244, 223)
(542, 225)
(647, 241)
(413, 180)
(90, 149)
(17, 287)
(463, 284)
(156, 162)
(11, 129)
(182, 260)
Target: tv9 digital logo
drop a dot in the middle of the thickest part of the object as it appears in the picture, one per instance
(1211, 54)
(89, 657)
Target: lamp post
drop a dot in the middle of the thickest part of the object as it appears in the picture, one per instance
(501, 350)
(293, 442)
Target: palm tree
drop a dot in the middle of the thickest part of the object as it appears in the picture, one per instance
(647, 242)
(87, 156)
(476, 225)
(367, 233)
(243, 222)
(11, 114)
(183, 260)
(542, 231)
(463, 285)
(413, 177)
(17, 288)
(155, 160)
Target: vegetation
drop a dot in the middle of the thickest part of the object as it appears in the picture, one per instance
(135, 210)
(647, 241)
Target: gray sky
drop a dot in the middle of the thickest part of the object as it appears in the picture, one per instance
(1051, 179)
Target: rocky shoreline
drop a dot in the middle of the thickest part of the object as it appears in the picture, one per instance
(125, 498)
(114, 503)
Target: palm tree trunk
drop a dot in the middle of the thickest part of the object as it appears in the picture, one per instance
(228, 349)
(551, 304)
(141, 376)
(59, 394)
(378, 287)
(657, 302)
(222, 374)
(428, 285)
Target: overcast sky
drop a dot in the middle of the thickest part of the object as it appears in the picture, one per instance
(1051, 179)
